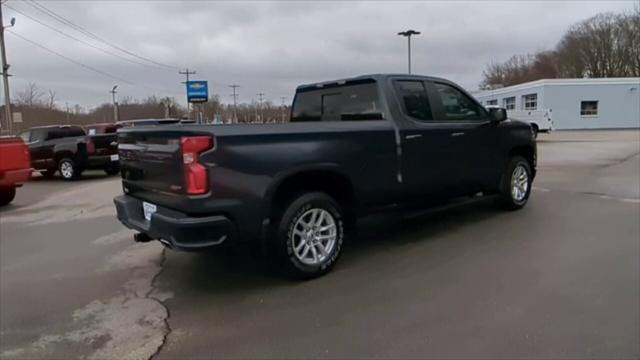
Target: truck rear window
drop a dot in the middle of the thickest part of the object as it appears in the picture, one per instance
(348, 102)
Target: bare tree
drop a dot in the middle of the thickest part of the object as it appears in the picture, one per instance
(606, 45)
(51, 99)
(30, 96)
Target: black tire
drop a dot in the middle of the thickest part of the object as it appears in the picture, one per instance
(68, 169)
(7, 194)
(508, 198)
(283, 238)
(112, 170)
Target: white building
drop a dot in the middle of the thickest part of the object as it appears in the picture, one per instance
(574, 103)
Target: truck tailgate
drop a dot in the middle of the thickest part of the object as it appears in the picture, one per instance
(151, 161)
(14, 154)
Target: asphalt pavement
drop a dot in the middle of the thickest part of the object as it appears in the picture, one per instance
(558, 279)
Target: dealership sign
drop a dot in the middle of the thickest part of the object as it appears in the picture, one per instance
(197, 91)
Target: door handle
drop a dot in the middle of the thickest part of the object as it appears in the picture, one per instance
(457, 134)
(414, 136)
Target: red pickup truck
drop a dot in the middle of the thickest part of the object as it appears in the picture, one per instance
(15, 167)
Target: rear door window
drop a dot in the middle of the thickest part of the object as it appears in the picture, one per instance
(415, 101)
(344, 102)
(73, 131)
(54, 133)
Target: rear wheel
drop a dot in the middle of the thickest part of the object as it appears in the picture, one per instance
(68, 169)
(7, 194)
(516, 184)
(309, 235)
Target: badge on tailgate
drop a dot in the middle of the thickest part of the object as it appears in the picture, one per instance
(148, 210)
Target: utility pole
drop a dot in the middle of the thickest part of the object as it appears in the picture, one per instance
(115, 104)
(282, 120)
(5, 73)
(235, 103)
(408, 35)
(261, 113)
(186, 73)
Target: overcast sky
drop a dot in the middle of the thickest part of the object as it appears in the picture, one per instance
(271, 47)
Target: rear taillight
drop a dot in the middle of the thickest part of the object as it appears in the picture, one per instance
(91, 147)
(196, 175)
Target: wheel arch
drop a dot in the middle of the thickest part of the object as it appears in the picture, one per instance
(324, 179)
(526, 152)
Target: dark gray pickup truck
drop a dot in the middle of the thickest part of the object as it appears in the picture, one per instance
(353, 147)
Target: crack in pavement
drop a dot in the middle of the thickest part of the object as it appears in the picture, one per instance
(168, 330)
(130, 325)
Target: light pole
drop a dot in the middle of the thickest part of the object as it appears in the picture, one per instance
(115, 104)
(261, 113)
(5, 72)
(408, 34)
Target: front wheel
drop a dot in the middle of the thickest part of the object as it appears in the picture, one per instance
(515, 187)
(7, 194)
(309, 235)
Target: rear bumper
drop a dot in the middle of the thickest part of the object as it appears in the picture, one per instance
(175, 229)
(15, 177)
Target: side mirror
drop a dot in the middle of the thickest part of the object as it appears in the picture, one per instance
(498, 114)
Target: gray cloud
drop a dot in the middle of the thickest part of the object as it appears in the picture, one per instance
(271, 47)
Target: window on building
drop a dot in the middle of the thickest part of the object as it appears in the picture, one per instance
(492, 102)
(415, 100)
(589, 108)
(509, 103)
(530, 102)
(457, 106)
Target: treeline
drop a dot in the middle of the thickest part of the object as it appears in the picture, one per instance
(39, 107)
(606, 45)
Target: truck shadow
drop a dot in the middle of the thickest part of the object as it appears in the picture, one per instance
(401, 233)
(88, 175)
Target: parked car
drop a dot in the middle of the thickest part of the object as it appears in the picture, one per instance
(67, 149)
(15, 167)
(353, 147)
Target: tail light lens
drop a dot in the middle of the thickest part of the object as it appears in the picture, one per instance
(91, 147)
(196, 175)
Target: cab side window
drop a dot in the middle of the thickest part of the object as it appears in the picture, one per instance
(455, 105)
(413, 96)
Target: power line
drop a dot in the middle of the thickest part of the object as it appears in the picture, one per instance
(70, 59)
(79, 40)
(86, 32)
